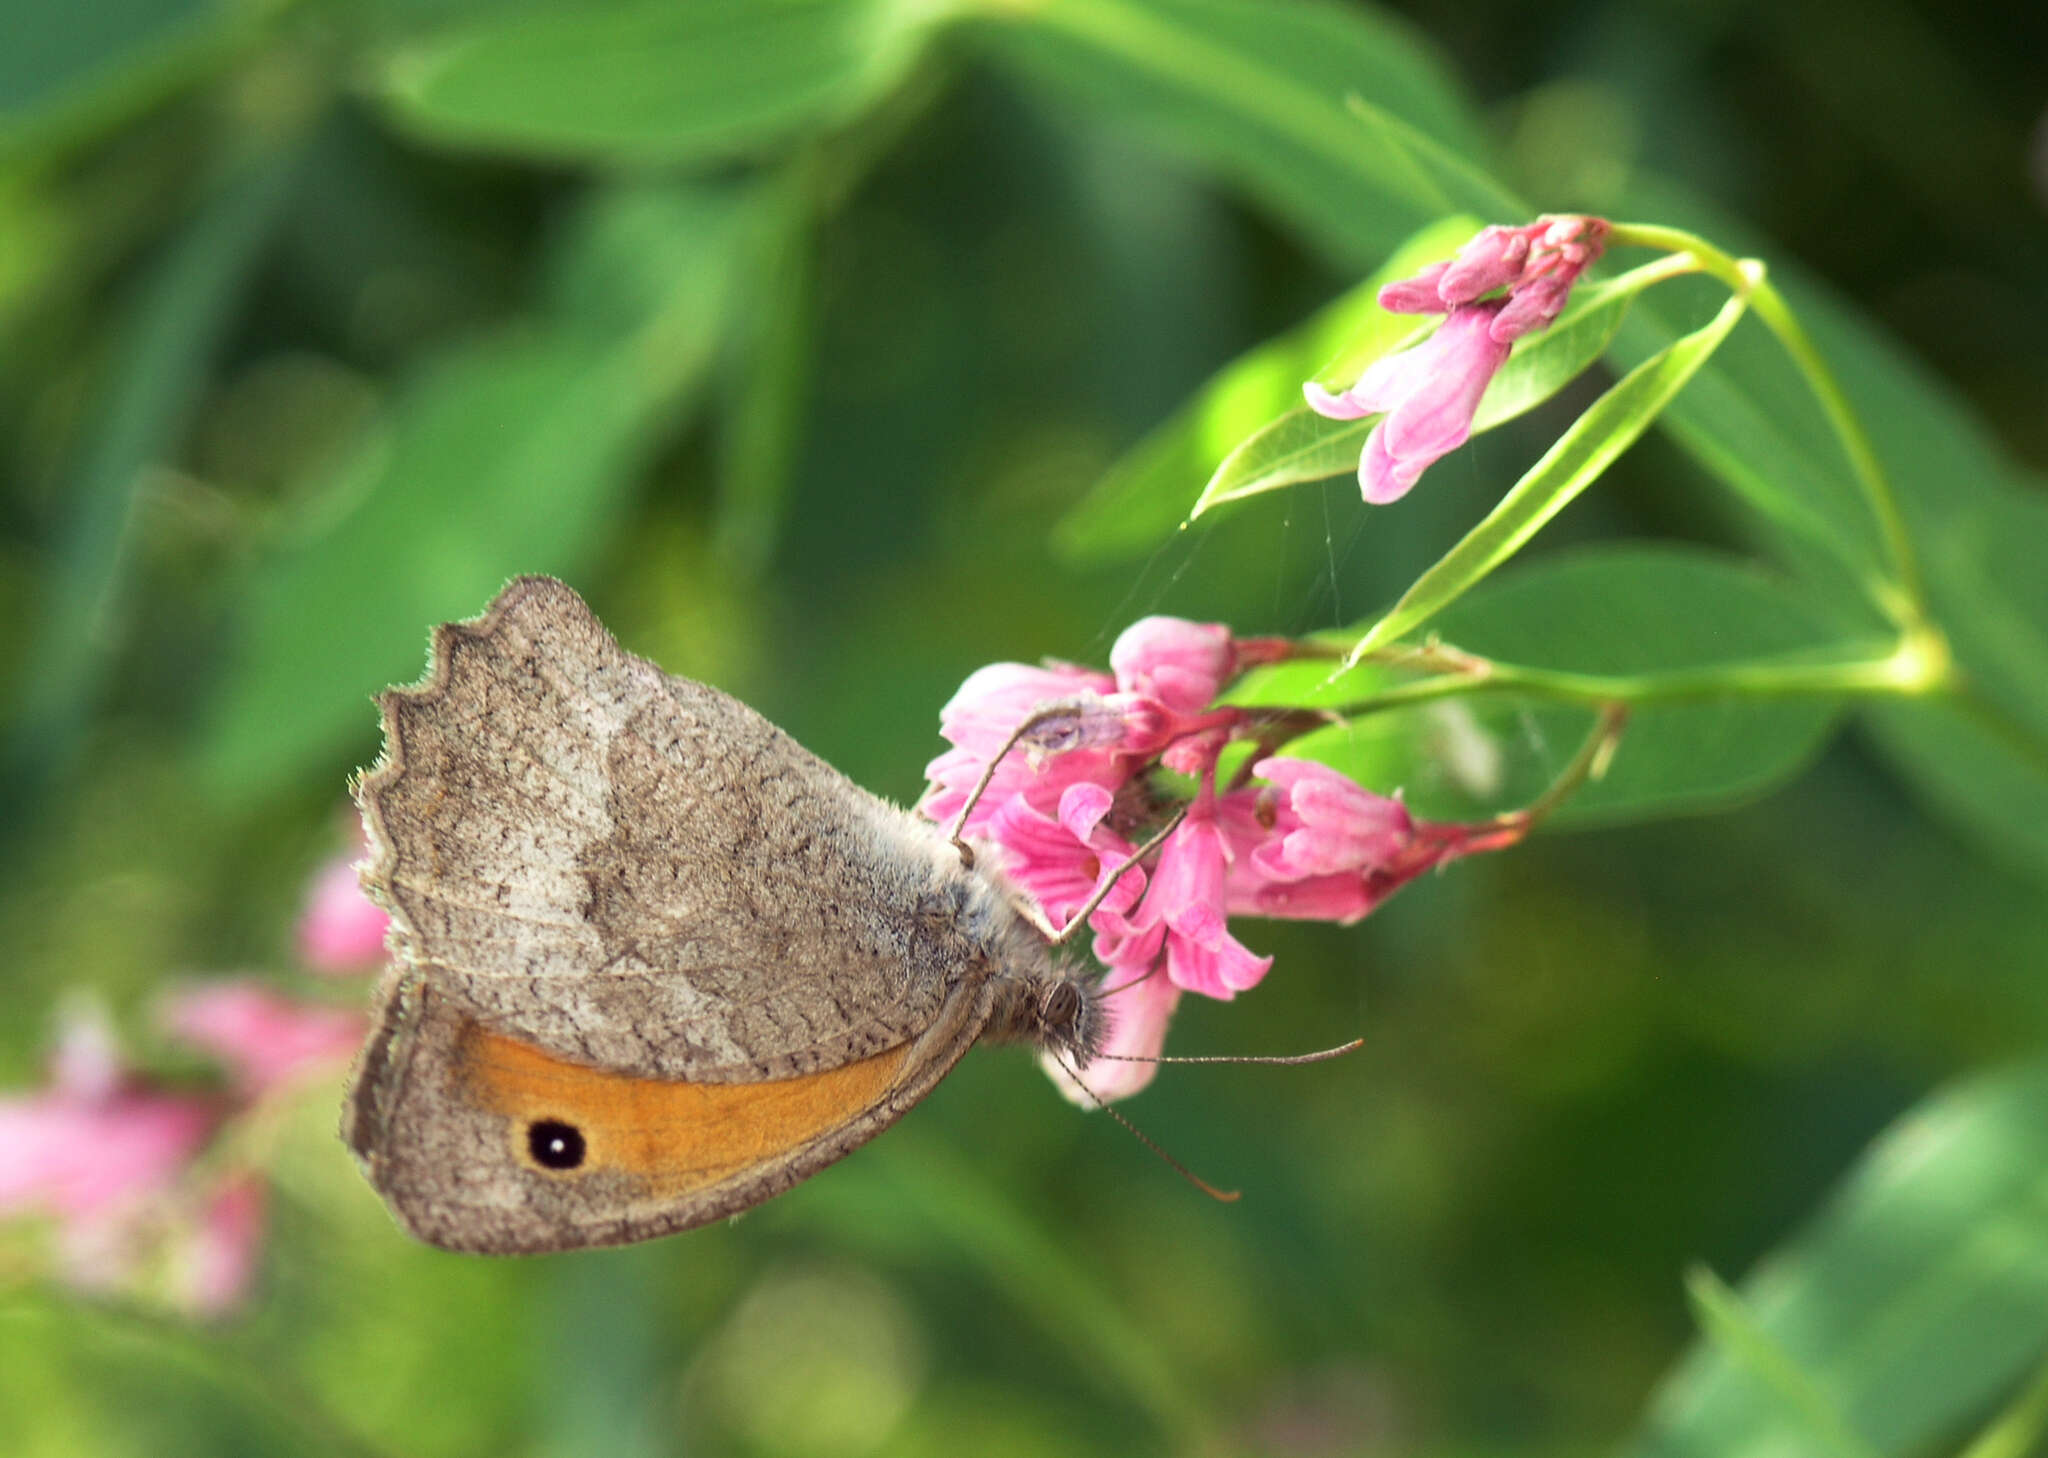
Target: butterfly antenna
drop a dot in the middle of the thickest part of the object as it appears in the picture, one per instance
(1288, 1058)
(1227, 1197)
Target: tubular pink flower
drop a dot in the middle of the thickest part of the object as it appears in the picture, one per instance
(979, 719)
(341, 930)
(263, 1038)
(1427, 397)
(1326, 823)
(1428, 394)
(1184, 665)
(1186, 897)
(1061, 862)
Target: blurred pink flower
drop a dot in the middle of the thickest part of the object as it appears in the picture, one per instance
(341, 930)
(1429, 394)
(1325, 822)
(263, 1038)
(96, 1154)
(217, 1262)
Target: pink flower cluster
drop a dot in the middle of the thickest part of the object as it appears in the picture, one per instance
(1067, 805)
(136, 1175)
(1503, 284)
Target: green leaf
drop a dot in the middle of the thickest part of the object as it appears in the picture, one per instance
(1147, 493)
(69, 73)
(162, 361)
(514, 453)
(1261, 93)
(654, 80)
(1612, 611)
(1609, 426)
(1910, 1304)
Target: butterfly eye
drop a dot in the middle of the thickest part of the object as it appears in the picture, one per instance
(555, 1145)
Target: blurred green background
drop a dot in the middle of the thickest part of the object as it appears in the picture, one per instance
(787, 338)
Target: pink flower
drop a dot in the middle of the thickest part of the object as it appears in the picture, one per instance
(1327, 822)
(1537, 263)
(96, 1155)
(1181, 664)
(1063, 861)
(1184, 910)
(265, 1039)
(341, 930)
(1426, 397)
(1429, 394)
(217, 1262)
(1081, 746)
(1138, 1009)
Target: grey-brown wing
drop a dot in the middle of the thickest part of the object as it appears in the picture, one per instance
(479, 1142)
(638, 872)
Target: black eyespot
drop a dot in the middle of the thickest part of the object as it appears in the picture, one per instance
(555, 1145)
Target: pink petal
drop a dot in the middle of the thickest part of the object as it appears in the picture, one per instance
(1335, 407)
(1182, 664)
(219, 1261)
(1381, 478)
(76, 1160)
(1492, 260)
(264, 1038)
(1416, 295)
(341, 929)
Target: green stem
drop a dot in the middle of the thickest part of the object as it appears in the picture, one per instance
(1903, 600)
(1917, 665)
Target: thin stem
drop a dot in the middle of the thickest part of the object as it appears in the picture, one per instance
(1917, 665)
(1870, 475)
(1905, 602)
(1590, 763)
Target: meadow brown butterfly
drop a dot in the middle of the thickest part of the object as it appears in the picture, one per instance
(652, 961)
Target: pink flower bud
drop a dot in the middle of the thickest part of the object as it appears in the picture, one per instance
(1183, 665)
(341, 930)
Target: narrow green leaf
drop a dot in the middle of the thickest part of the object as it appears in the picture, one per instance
(1299, 446)
(1609, 426)
(162, 361)
(1735, 1332)
(1913, 1301)
(1546, 362)
(1147, 493)
(654, 81)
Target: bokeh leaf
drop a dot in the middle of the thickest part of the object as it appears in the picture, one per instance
(513, 453)
(1260, 93)
(652, 80)
(1916, 1298)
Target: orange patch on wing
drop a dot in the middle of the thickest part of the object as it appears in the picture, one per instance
(678, 1137)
